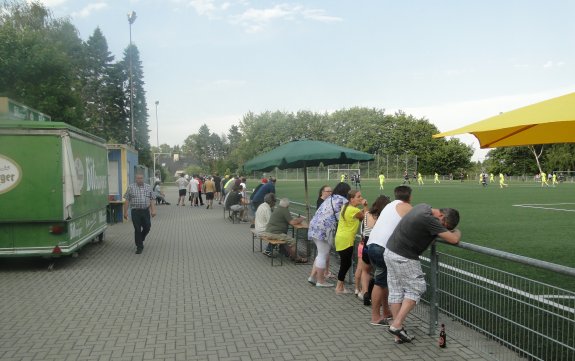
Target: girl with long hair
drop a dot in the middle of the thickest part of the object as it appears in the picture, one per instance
(350, 218)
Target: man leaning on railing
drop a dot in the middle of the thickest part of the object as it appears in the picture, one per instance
(406, 281)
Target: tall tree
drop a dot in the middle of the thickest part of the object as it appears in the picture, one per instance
(140, 108)
(117, 117)
(96, 80)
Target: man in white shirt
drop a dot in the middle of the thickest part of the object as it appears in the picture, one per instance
(193, 190)
(382, 230)
(182, 185)
(264, 212)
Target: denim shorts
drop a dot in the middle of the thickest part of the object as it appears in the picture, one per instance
(375, 253)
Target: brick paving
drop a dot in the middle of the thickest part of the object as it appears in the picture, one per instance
(196, 293)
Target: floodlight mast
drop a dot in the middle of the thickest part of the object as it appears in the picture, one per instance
(131, 19)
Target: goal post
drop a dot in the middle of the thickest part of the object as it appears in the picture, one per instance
(336, 173)
(565, 175)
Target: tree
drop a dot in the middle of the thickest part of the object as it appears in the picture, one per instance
(537, 151)
(511, 160)
(358, 128)
(96, 79)
(40, 58)
(140, 108)
(366, 129)
(45, 65)
(117, 119)
(449, 157)
(561, 157)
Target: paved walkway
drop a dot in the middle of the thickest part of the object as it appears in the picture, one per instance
(196, 293)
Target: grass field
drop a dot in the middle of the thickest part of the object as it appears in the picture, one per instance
(524, 219)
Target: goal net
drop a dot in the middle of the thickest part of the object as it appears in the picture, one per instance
(565, 175)
(336, 173)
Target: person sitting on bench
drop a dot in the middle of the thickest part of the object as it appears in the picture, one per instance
(160, 196)
(235, 202)
(278, 226)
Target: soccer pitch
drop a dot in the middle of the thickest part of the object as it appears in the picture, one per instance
(523, 218)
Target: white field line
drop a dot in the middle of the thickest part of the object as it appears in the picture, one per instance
(547, 204)
(542, 206)
(540, 298)
(559, 297)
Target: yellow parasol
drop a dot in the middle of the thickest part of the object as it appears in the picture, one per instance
(550, 121)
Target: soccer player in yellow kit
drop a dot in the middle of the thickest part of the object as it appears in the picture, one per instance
(381, 181)
(419, 179)
(554, 179)
(544, 179)
(342, 178)
(491, 178)
(436, 178)
(502, 181)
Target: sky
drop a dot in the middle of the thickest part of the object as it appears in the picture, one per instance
(453, 62)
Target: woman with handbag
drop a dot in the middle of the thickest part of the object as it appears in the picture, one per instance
(322, 229)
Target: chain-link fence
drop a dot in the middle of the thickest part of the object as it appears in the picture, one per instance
(392, 166)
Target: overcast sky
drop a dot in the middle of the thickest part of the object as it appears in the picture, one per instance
(452, 61)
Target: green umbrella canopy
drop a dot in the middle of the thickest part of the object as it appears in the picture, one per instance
(305, 153)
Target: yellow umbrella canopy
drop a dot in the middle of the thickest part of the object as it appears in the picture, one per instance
(550, 121)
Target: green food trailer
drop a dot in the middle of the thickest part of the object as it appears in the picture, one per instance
(53, 188)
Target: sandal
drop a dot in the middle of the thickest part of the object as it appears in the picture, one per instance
(344, 292)
(329, 275)
(301, 260)
(383, 322)
(401, 333)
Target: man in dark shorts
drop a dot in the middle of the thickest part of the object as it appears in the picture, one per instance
(182, 186)
(209, 190)
(406, 178)
(405, 278)
(386, 222)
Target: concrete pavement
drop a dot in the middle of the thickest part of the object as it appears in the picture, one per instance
(196, 293)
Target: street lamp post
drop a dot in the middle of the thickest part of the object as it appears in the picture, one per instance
(155, 154)
(157, 127)
(131, 19)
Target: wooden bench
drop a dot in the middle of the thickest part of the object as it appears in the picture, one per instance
(276, 243)
(254, 236)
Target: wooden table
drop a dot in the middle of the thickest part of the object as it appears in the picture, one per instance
(303, 226)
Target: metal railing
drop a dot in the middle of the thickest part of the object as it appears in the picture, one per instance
(533, 319)
(527, 318)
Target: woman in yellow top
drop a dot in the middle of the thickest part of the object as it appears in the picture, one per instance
(349, 220)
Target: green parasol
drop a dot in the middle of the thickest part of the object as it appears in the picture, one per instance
(303, 154)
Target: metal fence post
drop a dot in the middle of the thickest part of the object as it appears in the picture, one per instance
(433, 310)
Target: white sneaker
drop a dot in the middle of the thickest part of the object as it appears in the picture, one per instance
(311, 280)
(324, 284)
